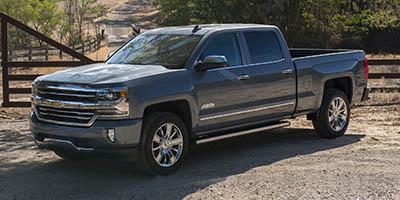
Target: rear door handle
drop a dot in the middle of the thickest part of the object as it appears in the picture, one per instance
(243, 77)
(287, 71)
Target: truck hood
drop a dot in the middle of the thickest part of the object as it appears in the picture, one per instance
(104, 73)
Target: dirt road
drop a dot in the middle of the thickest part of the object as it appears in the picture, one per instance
(291, 163)
(118, 22)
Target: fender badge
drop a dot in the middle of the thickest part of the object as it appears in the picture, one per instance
(207, 106)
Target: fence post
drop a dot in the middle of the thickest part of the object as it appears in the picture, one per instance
(60, 55)
(83, 48)
(98, 43)
(4, 60)
(47, 53)
(30, 54)
(73, 48)
(90, 45)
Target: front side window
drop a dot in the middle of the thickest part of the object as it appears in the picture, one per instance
(224, 44)
(263, 46)
(168, 50)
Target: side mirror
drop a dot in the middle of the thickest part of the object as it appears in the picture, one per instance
(212, 62)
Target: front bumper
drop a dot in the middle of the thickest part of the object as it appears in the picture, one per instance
(91, 140)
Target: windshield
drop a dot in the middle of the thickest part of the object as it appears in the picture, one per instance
(168, 50)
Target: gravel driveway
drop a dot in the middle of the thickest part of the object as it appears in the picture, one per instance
(291, 163)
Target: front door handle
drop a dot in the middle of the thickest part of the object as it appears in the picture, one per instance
(287, 71)
(243, 77)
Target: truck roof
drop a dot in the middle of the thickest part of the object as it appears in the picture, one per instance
(204, 28)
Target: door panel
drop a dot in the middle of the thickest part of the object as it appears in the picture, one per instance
(223, 94)
(273, 92)
(273, 77)
(223, 99)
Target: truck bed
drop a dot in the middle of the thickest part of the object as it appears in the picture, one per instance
(314, 66)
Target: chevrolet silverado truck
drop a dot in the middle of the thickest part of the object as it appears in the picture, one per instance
(170, 88)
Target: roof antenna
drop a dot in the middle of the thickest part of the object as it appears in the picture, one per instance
(196, 28)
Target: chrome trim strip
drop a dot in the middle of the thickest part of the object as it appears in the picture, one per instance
(65, 116)
(246, 111)
(67, 94)
(73, 88)
(90, 123)
(37, 100)
(267, 63)
(66, 111)
(240, 133)
(48, 141)
(248, 65)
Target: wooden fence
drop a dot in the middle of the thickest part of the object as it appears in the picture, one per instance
(43, 53)
(6, 64)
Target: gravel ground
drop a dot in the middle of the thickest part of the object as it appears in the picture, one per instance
(291, 163)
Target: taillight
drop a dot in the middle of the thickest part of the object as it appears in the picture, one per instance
(366, 69)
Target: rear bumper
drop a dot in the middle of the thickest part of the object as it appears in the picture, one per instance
(92, 140)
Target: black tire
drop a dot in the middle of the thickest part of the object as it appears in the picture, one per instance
(146, 161)
(68, 155)
(322, 124)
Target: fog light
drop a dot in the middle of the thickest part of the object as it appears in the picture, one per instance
(111, 134)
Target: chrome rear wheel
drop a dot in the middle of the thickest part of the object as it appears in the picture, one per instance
(333, 117)
(337, 114)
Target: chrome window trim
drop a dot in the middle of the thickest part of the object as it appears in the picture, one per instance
(248, 65)
(267, 63)
(246, 111)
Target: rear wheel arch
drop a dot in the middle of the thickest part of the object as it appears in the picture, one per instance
(344, 84)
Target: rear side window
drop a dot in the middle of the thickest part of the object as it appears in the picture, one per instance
(263, 46)
(224, 44)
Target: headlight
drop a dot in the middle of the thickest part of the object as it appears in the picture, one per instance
(118, 101)
(114, 94)
(34, 88)
(34, 93)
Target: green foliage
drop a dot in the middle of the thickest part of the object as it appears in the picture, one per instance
(62, 19)
(305, 23)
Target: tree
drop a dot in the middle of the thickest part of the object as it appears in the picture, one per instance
(78, 14)
(43, 15)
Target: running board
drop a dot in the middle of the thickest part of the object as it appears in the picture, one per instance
(240, 133)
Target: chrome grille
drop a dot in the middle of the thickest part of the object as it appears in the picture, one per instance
(73, 117)
(65, 105)
(71, 93)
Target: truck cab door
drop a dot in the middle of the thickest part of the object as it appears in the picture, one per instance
(273, 75)
(224, 93)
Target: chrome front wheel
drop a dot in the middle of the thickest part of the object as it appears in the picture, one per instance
(164, 143)
(167, 145)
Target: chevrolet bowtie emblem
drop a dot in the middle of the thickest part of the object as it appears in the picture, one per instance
(56, 104)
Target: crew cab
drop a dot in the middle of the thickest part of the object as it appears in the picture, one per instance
(170, 88)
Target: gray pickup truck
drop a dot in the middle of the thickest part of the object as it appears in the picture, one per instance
(170, 88)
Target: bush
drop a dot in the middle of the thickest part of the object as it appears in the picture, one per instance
(367, 24)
